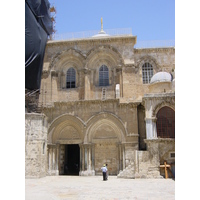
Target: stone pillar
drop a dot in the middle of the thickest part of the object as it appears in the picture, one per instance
(53, 159)
(57, 158)
(123, 154)
(83, 158)
(86, 157)
(151, 131)
(50, 160)
(93, 148)
(36, 164)
(153, 149)
(136, 166)
(87, 160)
(89, 157)
(120, 157)
(120, 82)
(87, 91)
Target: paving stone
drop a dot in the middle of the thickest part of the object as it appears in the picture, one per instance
(80, 187)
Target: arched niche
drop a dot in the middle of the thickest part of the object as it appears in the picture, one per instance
(105, 127)
(64, 59)
(66, 129)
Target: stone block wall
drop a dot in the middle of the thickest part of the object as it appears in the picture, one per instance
(106, 154)
(35, 145)
(167, 154)
(146, 167)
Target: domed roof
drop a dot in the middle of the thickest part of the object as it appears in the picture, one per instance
(101, 34)
(161, 77)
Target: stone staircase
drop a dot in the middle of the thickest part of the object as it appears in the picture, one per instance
(128, 172)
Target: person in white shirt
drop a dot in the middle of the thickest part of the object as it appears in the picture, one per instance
(104, 170)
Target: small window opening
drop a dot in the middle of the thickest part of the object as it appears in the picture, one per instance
(103, 76)
(71, 78)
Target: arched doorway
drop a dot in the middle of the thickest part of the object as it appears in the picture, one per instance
(64, 138)
(165, 123)
(71, 159)
(107, 134)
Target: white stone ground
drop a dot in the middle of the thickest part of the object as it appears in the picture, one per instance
(80, 187)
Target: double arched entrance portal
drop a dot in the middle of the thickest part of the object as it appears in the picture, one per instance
(76, 147)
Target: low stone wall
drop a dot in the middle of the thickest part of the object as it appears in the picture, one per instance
(160, 150)
(146, 164)
(35, 145)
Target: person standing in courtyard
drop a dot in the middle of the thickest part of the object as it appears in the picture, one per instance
(107, 172)
(104, 170)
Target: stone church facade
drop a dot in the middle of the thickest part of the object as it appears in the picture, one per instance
(103, 101)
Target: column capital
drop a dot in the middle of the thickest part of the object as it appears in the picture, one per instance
(88, 145)
(154, 119)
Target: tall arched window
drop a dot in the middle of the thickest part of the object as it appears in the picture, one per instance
(166, 123)
(103, 76)
(147, 73)
(71, 78)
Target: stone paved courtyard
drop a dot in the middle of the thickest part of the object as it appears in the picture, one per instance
(81, 187)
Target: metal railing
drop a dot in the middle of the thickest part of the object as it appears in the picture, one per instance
(88, 34)
(154, 44)
(114, 32)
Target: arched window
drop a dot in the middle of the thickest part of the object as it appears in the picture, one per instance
(166, 123)
(147, 73)
(103, 76)
(71, 78)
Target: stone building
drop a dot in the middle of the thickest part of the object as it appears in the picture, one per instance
(103, 101)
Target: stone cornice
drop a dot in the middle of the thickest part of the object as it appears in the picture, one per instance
(154, 50)
(34, 115)
(158, 96)
(84, 102)
(159, 140)
(109, 39)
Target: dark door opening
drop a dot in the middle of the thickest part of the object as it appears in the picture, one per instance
(72, 159)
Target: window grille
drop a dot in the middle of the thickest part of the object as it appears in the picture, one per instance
(147, 73)
(71, 78)
(172, 155)
(103, 76)
(165, 123)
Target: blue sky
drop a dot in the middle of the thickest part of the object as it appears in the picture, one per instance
(149, 19)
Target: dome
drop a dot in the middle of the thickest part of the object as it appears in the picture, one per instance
(101, 34)
(161, 77)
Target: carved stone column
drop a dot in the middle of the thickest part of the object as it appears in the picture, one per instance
(123, 158)
(57, 158)
(50, 159)
(89, 158)
(151, 131)
(53, 158)
(120, 157)
(86, 158)
(83, 158)
(93, 148)
(87, 73)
